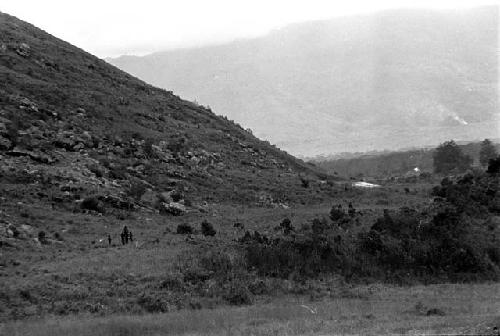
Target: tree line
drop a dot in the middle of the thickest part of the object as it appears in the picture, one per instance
(450, 158)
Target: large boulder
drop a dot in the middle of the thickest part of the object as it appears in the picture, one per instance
(172, 208)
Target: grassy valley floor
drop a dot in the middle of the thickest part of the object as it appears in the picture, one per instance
(374, 309)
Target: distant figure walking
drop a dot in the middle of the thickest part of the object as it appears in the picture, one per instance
(351, 210)
(124, 235)
(109, 239)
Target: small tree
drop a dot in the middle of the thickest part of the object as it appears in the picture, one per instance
(449, 157)
(494, 166)
(207, 229)
(487, 152)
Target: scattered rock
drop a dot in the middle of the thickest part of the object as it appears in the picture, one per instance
(23, 49)
(173, 208)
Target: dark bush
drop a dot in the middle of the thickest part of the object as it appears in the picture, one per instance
(152, 304)
(118, 172)
(319, 225)
(176, 196)
(42, 237)
(494, 166)
(92, 203)
(308, 253)
(184, 229)
(238, 294)
(136, 189)
(304, 182)
(172, 283)
(286, 226)
(337, 213)
(207, 229)
(98, 171)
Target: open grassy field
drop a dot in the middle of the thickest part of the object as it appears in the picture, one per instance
(374, 310)
(80, 272)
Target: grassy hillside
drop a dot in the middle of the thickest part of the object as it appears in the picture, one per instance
(60, 104)
(86, 149)
(390, 80)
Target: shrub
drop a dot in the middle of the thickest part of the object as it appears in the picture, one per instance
(207, 229)
(184, 229)
(238, 294)
(92, 203)
(152, 304)
(42, 237)
(172, 282)
(98, 171)
(136, 189)
(494, 166)
(176, 196)
(337, 213)
(304, 182)
(118, 172)
(286, 226)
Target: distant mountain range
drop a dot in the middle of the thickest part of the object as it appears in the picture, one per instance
(389, 80)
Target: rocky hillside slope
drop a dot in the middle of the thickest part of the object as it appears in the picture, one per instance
(73, 127)
(390, 80)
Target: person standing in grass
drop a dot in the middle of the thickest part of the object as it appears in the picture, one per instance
(124, 235)
(109, 239)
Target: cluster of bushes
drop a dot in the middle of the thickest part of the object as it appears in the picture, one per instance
(216, 274)
(449, 244)
(312, 249)
(455, 238)
(207, 229)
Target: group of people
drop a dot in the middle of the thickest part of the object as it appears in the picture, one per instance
(126, 236)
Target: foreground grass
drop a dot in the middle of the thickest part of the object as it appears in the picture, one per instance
(378, 310)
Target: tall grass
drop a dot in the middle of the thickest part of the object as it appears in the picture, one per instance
(467, 308)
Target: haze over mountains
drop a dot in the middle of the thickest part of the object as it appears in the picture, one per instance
(390, 80)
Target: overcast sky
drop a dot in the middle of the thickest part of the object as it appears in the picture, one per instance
(115, 27)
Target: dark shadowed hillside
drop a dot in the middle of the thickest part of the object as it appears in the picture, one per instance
(69, 117)
(391, 80)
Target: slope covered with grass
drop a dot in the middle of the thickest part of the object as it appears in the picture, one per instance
(57, 102)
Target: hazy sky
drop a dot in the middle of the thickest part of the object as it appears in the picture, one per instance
(116, 27)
